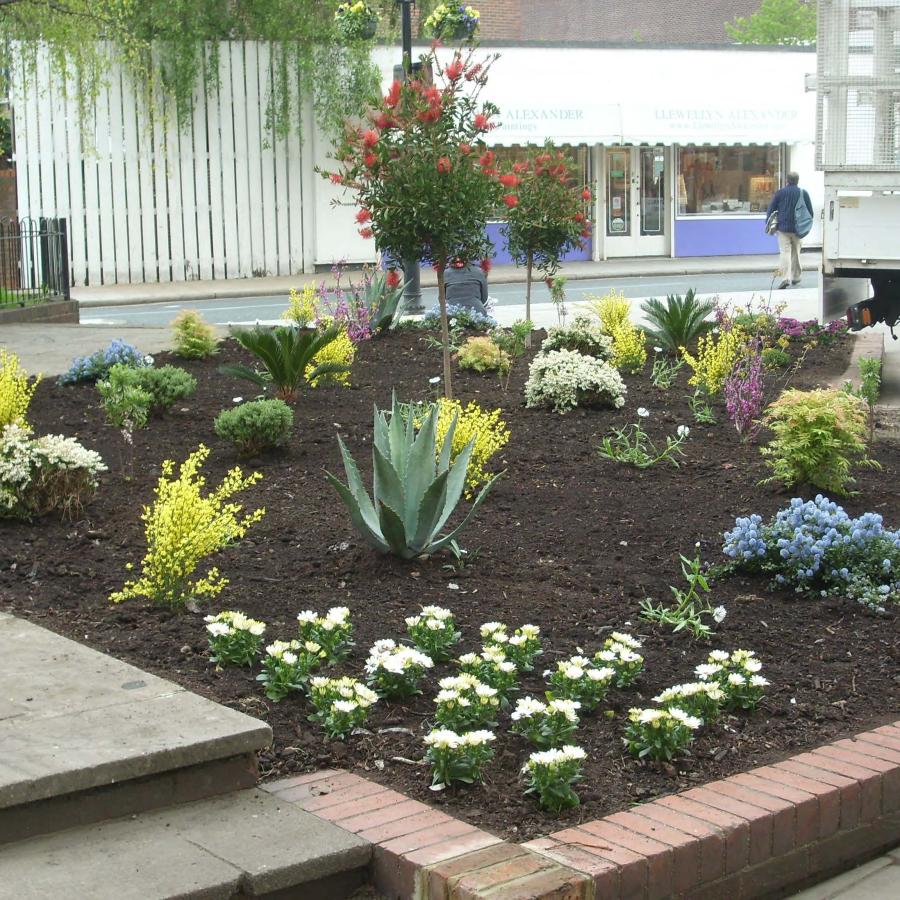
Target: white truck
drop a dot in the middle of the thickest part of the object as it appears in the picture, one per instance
(858, 149)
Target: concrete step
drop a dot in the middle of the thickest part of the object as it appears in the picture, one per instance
(244, 844)
(84, 737)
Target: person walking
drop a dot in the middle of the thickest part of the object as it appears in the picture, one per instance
(794, 221)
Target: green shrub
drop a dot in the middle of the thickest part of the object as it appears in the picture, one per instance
(192, 337)
(775, 358)
(483, 355)
(126, 402)
(256, 426)
(679, 321)
(166, 385)
(585, 335)
(819, 436)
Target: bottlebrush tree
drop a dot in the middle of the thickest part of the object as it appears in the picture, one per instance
(546, 216)
(422, 176)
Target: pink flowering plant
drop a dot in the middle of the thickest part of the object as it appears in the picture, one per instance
(744, 393)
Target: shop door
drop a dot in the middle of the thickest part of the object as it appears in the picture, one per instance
(636, 214)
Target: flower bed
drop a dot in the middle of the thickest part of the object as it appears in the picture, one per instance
(567, 541)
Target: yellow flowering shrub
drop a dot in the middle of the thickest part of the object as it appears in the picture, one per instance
(341, 350)
(183, 526)
(301, 306)
(487, 428)
(15, 391)
(715, 359)
(629, 351)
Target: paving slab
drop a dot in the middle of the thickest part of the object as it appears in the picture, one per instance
(247, 843)
(72, 719)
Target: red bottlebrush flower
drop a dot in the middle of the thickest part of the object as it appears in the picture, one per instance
(518, 168)
(586, 233)
(465, 149)
(487, 158)
(511, 200)
(393, 279)
(335, 178)
(585, 194)
(490, 171)
(433, 95)
(561, 179)
(579, 217)
(486, 265)
(549, 282)
(366, 232)
(482, 122)
(454, 69)
(370, 159)
(509, 181)
(392, 98)
(474, 72)
(383, 122)
(444, 165)
(370, 138)
(363, 216)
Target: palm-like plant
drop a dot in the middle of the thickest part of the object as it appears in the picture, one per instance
(679, 321)
(286, 353)
(415, 489)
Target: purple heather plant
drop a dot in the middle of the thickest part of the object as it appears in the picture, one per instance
(811, 330)
(744, 393)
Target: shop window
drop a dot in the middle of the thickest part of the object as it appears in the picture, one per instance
(727, 180)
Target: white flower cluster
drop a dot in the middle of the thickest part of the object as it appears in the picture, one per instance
(530, 707)
(737, 674)
(434, 618)
(445, 739)
(577, 678)
(231, 621)
(341, 703)
(388, 656)
(585, 335)
(521, 648)
(662, 718)
(563, 379)
(234, 638)
(286, 651)
(554, 758)
(620, 653)
(433, 631)
(333, 630)
(464, 701)
(701, 698)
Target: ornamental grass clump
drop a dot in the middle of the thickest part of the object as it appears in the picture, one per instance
(660, 734)
(341, 704)
(458, 758)
(620, 653)
(818, 549)
(333, 632)
(287, 665)
(819, 437)
(577, 678)
(522, 647)
(585, 335)
(715, 360)
(566, 379)
(551, 774)
(395, 670)
(234, 638)
(697, 698)
(492, 668)
(737, 674)
(184, 526)
(464, 702)
(15, 391)
(434, 632)
(192, 337)
(546, 725)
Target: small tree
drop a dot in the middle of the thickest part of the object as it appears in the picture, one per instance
(776, 22)
(546, 217)
(423, 179)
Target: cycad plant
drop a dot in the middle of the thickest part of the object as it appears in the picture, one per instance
(286, 353)
(679, 321)
(415, 489)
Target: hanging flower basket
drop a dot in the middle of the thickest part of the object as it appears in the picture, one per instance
(356, 21)
(453, 22)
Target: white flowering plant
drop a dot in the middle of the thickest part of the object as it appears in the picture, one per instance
(341, 704)
(620, 653)
(737, 674)
(333, 632)
(632, 446)
(546, 725)
(286, 667)
(660, 734)
(577, 678)
(464, 702)
(702, 699)
(584, 335)
(522, 647)
(566, 379)
(492, 668)
(552, 773)
(458, 757)
(434, 632)
(395, 670)
(234, 638)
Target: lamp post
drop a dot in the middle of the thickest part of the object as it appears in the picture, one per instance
(412, 294)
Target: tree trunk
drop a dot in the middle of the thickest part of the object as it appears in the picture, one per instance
(528, 267)
(445, 329)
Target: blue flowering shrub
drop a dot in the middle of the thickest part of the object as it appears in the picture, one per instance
(97, 365)
(459, 317)
(817, 548)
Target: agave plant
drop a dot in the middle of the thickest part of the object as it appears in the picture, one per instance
(286, 353)
(415, 489)
(383, 302)
(678, 322)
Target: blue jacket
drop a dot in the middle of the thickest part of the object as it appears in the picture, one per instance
(785, 201)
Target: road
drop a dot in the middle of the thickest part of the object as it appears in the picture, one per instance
(509, 297)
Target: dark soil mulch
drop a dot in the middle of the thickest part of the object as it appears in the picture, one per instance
(567, 541)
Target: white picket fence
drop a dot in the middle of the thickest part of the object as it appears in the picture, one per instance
(147, 201)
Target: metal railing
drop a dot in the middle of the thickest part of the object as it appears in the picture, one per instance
(34, 261)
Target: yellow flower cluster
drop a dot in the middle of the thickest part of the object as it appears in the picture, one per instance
(183, 527)
(301, 307)
(715, 359)
(341, 350)
(15, 392)
(629, 342)
(487, 428)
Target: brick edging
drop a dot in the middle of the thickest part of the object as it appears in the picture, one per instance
(753, 835)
